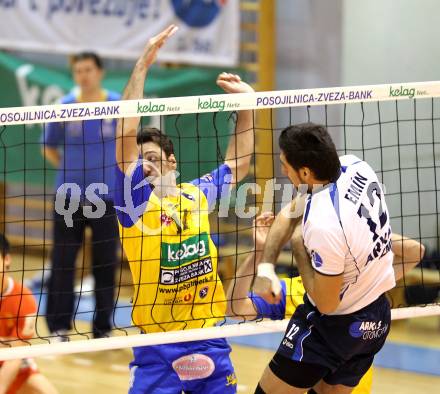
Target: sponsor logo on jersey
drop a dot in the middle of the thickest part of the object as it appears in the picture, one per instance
(231, 380)
(165, 219)
(194, 366)
(183, 287)
(203, 292)
(187, 272)
(167, 277)
(176, 254)
(188, 196)
(208, 178)
(368, 329)
(317, 259)
(178, 300)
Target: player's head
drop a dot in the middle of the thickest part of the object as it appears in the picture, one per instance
(308, 155)
(157, 151)
(87, 71)
(5, 257)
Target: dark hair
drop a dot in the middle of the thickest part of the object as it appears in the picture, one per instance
(86, 56)
(4, 245)
(310, 145)
(151, 134)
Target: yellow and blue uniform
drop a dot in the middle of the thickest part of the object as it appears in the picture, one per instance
(173, 262)
(292, 296)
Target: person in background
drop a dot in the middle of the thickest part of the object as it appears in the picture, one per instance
(18, 311)
(84, 155)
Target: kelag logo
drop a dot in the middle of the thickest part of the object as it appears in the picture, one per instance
(397, 92)
(175, 254)
(198, 13)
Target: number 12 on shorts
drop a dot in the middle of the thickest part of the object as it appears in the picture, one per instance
(292, 332)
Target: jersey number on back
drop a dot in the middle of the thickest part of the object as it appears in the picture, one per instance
(364, 212)
(382, 242)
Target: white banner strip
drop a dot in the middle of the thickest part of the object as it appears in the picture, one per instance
(230, 330)
(217, 103)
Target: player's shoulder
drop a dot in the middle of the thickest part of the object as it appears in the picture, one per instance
(347, 160)
(350, 164)
(113, 96)
(21, 289)
(69, 98)
(18, 296)
(321, 208)
(215, 175)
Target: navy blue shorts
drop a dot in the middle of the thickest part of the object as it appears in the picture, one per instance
(343, 345)
(192, 367)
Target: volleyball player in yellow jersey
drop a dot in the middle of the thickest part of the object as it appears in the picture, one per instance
(243, 304)
(165, 234)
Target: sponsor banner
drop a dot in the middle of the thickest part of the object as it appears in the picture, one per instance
(218, 103)
(209, 30)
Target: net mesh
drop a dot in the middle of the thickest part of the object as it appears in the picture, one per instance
(393, 128)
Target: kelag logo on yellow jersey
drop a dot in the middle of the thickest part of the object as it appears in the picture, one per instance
(185, 260)
(193, 248)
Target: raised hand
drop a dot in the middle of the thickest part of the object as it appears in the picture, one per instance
(232, 83)
(155, 43)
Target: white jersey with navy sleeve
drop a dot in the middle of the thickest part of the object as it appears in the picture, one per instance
(346, 230)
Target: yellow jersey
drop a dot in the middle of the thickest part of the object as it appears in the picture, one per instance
(173, 260)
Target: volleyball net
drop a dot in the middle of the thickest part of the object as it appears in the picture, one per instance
(395, 128)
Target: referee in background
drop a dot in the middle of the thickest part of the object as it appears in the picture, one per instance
(83, 154)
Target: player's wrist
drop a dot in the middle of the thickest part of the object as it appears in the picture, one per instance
(266, 269)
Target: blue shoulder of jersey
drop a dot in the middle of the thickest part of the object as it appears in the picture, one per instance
(138, 194)
(113, 96)
(69, 98)
(212, 183)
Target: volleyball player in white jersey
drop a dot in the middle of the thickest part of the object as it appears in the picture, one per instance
(331, 339)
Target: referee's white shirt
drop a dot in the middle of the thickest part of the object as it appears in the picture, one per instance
(346, 230)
